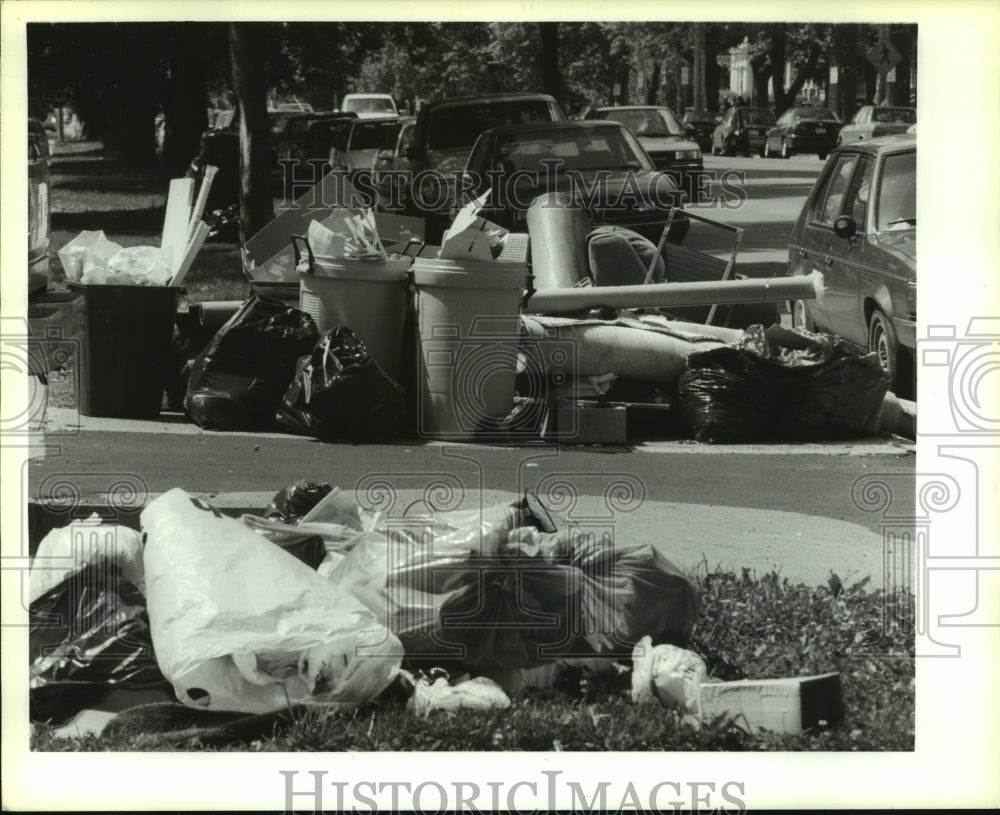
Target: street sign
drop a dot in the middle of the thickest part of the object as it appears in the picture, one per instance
(883, 56)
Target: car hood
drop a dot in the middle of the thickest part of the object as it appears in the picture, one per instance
(659, 143)
(616, 189)
(900, 250)
(901, 243)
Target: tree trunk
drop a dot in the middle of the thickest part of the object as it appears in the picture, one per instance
(653, 89)
(549, 60)
(713, 75)
(135, 138)
(776, 54)
(802, 75)
(187, 103)
(248, 45)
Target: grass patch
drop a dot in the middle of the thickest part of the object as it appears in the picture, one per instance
(753, 627)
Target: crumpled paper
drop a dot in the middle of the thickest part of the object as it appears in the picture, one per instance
(479, 693)
(239, 624)
(668, 675)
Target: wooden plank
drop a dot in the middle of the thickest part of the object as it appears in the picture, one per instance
(175, 223)
(781, 705)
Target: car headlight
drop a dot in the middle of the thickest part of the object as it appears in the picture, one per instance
(689, 154)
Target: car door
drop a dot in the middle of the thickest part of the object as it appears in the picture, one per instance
(845, 266)
(816, 252)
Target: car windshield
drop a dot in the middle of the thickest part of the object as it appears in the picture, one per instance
(648, 122)
(897, 195)
(369, 106)
(905, 116)
(373, 135)
(757, 117)
(581, 150)
(458, 127)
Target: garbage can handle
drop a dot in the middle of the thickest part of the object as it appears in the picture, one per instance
(298, 254)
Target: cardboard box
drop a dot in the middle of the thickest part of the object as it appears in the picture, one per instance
(780, 705)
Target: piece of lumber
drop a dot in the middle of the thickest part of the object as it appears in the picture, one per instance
(175, 222)
(201, 232)
(781, 705)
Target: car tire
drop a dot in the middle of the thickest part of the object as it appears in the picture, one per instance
(767, 149)
(786, 151)
(801, 318)
(822, 156)
(884, 343)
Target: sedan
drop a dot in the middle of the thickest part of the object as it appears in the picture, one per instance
(858, 229)
(872, 121)
(803, 130)
(600, 164)
(742, 130)
(663, 137)
(699, 126)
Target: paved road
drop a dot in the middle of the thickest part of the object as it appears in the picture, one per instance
(763, 197)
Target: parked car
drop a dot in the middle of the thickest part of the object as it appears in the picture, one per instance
(369, 104)
(356, 146)
(858, 229)
(742, 130)
(39, 206)
(442, 140)
(289, 130)
(872, 121)
(803, 130)
(391, 161)
(600, 163)
(699, 126)
(319, 138)
(664, 139)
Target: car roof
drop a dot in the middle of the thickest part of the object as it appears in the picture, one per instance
(881, 144)
(487, 97)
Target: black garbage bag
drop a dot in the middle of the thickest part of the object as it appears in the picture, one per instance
(237, 381)
(781, 383)
(295, 500)
(88, 634)
(339, 391)
(529, 601)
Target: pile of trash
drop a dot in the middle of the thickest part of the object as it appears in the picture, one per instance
(322, 603)
(90, 259)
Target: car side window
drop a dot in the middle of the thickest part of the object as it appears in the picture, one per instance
(828, 203)
(857, 198)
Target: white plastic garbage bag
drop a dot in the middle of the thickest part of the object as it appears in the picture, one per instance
(81, 543)
(239, 624)
(85, 258)
(141, 266)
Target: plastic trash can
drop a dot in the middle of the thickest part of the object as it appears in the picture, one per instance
(468, 322)
(367, 296)
(127, 331)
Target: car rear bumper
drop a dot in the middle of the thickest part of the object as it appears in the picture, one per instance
(812, 144)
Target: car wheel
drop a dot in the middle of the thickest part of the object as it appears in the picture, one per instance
(786, 151)
(801, 318)
(767, 149)
(822, 156)
(884, 342)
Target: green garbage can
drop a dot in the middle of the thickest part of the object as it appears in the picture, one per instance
(127, 334)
